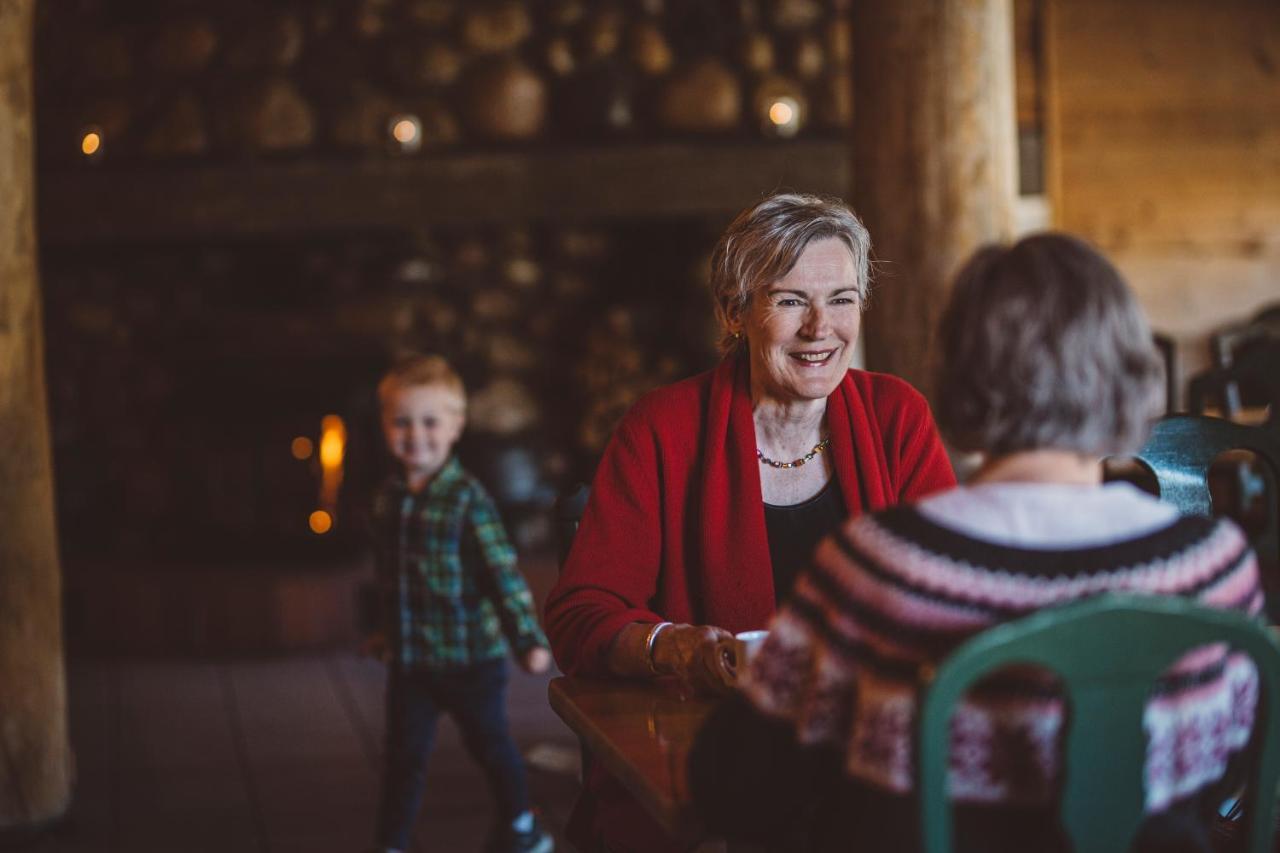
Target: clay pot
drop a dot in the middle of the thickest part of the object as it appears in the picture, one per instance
(180, 130)
(505, 100)
(702, 98)
(650, 51)
(748, 13)
(559, 56)
(755, 52)
(270, 115)
(495, 27)
(184, 46)
(430, 14)
(840, 41)
(795, 15)
(808, 59)
(602, 35)
(425, 63)
(522, 272)
(566, 13)
(369, 18)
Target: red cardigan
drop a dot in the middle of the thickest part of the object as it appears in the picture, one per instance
(674, 529)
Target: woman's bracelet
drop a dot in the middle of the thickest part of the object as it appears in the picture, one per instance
(649, 640)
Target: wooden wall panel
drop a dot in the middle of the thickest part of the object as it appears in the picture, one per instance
(1027, 62)
(1165, 122)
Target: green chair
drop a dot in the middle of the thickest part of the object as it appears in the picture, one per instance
(1108, 652)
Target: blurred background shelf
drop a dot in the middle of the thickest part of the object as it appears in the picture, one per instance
(586, 184)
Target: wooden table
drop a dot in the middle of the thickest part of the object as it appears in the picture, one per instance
(641, 732)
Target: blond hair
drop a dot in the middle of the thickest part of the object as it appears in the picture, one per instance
(416, 370)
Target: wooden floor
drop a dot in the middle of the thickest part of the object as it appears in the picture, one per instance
(271, 756)
(275, 756)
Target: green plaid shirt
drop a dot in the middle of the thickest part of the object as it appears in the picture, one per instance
(448, 575)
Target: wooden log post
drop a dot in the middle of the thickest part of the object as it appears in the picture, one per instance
(934, 158)
(35, 758)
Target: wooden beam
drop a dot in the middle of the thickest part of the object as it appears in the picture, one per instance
(35, 758)
(592, 184)
(934, 156)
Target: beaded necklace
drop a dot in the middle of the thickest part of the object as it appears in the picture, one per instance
(796, 463)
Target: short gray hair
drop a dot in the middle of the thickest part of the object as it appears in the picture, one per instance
(764, 242)
(1043, 346)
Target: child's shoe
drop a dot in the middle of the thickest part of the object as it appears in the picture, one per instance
(526, 836)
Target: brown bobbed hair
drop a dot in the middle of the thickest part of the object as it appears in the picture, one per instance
(1043, 346)
(764, 242)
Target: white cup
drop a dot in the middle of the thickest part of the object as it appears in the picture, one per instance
(746, 644)
(736, 655)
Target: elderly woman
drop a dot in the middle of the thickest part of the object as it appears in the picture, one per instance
(713, 492)
(1046, 366)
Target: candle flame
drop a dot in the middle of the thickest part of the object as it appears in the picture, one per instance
(333, 444)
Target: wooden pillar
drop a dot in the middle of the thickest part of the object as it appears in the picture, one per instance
(934, 165)
(35, 759)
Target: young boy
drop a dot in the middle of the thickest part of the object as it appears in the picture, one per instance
(451, 591)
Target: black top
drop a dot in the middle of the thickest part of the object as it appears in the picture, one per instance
(795, 530)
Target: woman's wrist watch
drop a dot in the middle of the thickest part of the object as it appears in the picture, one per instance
(649, 640)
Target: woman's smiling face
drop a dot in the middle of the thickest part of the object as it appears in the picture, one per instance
(802, 328)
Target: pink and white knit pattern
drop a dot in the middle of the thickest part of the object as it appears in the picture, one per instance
(894, 593)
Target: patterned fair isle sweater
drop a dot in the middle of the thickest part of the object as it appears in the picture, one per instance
(896, 591)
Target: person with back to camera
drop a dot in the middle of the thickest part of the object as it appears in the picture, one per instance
(714, 490)
(451, 592)
(1046, 365)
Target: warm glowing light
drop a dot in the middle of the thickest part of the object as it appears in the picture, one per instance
(91, 143)
(333, 441)
(301, 447)
(406, 130)
(782, 111)
(321, 522)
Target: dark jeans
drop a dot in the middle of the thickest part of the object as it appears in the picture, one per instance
(475, 697)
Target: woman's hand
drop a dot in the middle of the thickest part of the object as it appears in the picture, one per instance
(697, 655)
